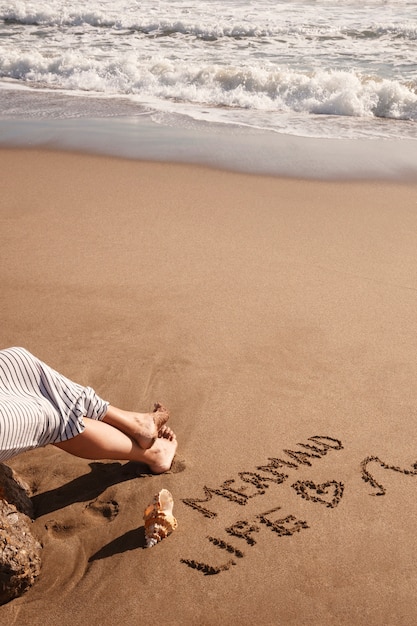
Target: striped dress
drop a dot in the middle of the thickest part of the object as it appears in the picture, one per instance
(38, 405)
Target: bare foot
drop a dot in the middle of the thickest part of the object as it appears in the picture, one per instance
(147, 427)
(143, 428)
(159, 458)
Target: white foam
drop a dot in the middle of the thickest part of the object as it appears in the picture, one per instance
(258, 88)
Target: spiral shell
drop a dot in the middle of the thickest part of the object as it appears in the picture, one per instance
(158, 518)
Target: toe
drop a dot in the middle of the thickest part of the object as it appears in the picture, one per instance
(166, 433)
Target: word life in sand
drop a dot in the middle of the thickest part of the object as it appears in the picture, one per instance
(328, 494)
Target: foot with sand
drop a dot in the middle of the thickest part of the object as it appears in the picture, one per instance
(160, 456)
(143, 428)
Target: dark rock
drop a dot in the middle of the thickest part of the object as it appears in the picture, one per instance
(20, 560)
(14, 490)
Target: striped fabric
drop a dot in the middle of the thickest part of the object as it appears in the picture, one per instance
(38, 405)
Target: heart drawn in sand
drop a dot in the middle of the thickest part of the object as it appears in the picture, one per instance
(329, 493)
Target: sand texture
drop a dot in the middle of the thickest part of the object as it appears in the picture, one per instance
(277, 321)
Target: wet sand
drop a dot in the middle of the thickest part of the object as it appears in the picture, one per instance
(276, 319)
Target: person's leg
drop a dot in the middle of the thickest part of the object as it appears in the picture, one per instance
(102, 441)
(143, 428)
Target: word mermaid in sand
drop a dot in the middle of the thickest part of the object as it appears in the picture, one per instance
(39, 406)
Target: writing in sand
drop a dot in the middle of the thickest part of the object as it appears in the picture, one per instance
(277, 471)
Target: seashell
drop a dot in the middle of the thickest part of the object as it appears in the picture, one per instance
(158, 517)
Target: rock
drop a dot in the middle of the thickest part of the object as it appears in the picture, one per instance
(20, 560)
(14, 490)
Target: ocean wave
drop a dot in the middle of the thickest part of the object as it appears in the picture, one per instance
(28, 16)
(340, 93)
(286, 65)
(213, 27)
(407, 32)
(47, 16)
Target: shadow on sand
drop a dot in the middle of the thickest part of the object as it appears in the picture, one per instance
(87, 487)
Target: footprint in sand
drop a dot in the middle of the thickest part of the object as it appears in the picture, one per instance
(102, 510)
(61, 529)
(99, 510)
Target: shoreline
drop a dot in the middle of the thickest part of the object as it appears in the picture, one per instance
(224, 148)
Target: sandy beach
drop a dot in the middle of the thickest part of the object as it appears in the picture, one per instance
(276, 318)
